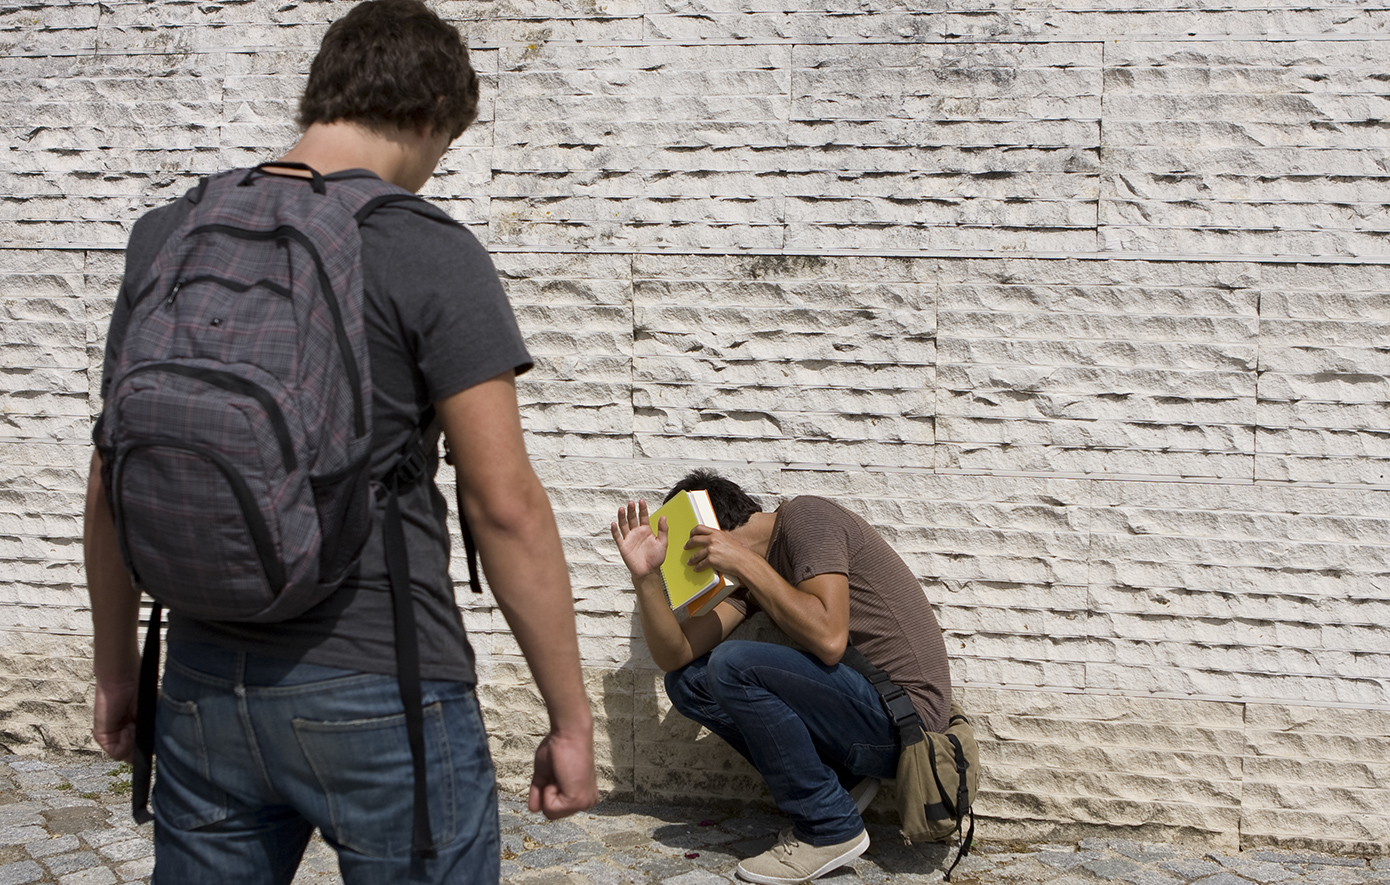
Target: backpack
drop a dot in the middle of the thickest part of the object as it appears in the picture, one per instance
(236, 433)
(938, 772)
(237, 424)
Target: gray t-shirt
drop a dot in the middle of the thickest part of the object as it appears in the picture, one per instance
(438, 323)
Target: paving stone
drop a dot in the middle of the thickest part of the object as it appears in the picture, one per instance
(20, 873)
(39, 778)
(127, 850)
(1258, 870)
(750, 847)
(583, 850)
(627, 839)
(1150, 851)
(551, 877)
(541, 858)
(63, 864)
(1145, 876)
(631, 844)
(625, 861)
(1334, 875)
(556, 832)
(1281, 857)
(75, 818)
(699, 877)
(662, 868)
(19, 813)
(46, 847)
(601, 873)
(21, 835)
(1222, 879)
(143, 868)
(1333, 861)
(109, 835)
(94, 876)
(1110, 867)
(1066, 860)
(29, 765)
(1187, 868)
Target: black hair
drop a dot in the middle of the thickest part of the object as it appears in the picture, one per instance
(392, 64)
(732, 505)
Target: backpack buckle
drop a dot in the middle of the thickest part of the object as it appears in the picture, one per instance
(411, 467)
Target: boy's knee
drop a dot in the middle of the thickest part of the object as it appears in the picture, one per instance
(729, 663)
(681, 687)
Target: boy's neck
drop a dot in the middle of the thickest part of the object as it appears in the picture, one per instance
(405, 158)
(756, 533)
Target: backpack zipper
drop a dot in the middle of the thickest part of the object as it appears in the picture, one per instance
(285, 232)
(239, 385)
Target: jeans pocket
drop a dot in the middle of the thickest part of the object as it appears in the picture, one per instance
(364, 768)
(184, 795)
(875, 760)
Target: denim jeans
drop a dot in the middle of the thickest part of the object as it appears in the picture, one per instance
(253, 753)
(809, 729)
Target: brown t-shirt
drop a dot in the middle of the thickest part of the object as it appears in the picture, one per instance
(890, 619)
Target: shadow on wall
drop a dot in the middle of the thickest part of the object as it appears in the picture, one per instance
(655, 753)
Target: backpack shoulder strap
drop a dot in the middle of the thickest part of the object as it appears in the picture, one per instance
(895, 699)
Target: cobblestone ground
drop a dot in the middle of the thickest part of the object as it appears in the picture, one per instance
(66, 820)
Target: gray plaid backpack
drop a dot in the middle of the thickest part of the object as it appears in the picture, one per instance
(238, 419)
(237, 429)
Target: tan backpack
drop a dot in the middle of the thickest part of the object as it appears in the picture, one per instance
(938, 772)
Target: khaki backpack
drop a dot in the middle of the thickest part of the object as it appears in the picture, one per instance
(938, 772)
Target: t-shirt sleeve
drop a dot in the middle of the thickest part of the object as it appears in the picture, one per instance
(816, 539)
(456, 321)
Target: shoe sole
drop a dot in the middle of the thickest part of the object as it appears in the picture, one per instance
(854, 851)
(870, 790)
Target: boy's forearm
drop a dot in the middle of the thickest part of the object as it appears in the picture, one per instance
(115, 601)
(529, 578)
(661, 630)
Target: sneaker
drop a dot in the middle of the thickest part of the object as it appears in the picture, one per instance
(863, 792)
(790, 861)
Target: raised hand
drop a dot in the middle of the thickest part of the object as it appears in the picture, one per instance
(643, 549)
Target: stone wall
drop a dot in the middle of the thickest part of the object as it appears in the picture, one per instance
(1083, 303)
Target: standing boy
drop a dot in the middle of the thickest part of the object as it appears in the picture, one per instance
(268, 730)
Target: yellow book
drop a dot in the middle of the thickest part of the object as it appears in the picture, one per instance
(696, 591)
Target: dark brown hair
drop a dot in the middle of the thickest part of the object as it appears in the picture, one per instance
(732, 505)
(392, 64)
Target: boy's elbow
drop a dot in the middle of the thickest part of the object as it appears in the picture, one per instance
(669, 662)
(517, 514)
(832, 650)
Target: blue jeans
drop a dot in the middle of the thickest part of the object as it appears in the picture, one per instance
(252, 753)
(809, 729)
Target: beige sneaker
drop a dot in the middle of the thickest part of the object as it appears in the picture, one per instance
(789, 861)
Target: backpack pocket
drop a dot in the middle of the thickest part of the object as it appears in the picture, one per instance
(343, 501)
(194, 536)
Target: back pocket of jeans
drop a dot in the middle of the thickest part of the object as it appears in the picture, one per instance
(364, 769)
(184, 795)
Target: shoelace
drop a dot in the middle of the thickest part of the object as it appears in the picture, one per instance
(787, 841)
